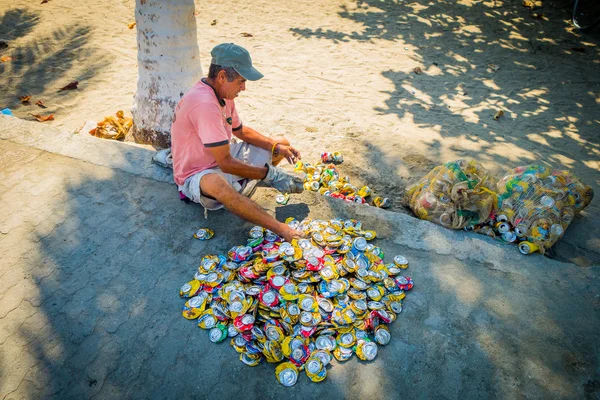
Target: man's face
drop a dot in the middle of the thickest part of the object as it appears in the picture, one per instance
(231, 90)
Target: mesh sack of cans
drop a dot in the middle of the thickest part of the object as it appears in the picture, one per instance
(536, 205)
(455, 195)
(324, 177)
(300, 304)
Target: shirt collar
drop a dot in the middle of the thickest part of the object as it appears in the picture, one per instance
(221, 101)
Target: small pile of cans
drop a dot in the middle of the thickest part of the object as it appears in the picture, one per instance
(324, 177)
(300, 304)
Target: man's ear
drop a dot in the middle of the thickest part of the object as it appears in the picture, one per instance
(222, 76)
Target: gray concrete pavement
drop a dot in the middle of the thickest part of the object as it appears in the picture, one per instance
(92, 258)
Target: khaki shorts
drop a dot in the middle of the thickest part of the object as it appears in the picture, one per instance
(242, 151)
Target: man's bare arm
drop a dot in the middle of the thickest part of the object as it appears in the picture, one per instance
(251, 136)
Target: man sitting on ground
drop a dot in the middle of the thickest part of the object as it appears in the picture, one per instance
(212, 169)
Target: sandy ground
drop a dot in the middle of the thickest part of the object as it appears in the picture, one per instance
(339, 76)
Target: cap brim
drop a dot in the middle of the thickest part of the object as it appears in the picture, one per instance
(250, 73)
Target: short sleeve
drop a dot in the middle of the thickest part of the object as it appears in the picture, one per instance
(207, 121)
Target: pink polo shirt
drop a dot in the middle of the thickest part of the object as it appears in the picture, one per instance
(201, 121)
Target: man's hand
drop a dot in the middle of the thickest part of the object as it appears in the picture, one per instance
(290, 153)
(290, 234)
(283, 181)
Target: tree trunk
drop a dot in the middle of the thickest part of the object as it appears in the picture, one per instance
(168, 65)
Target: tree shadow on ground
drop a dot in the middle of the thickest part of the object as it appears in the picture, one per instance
(471, 53)
(100, 314)
(40, 66)
(17, 23)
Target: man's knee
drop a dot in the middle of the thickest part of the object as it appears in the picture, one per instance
(214, 185)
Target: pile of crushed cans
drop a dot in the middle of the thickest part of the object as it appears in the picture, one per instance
(531, 206)
(300, 304)
(324, 177)
(535, 206)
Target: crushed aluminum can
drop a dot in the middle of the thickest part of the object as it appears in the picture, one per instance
(404, 282)
(382, 202)
(256, 232)
(231, 331)
(299, 355)
(382, 335)
(509, 236)
(207, 320)
(239, 253)
(244, 323)
(323, 355)
(342, 354)
(326, 342)
(325, 304)
(269, 297)
(277, 281)
(251, 360)
(287, 374)
(383, 315)
(315, 370)
(190, 289)
(194, 307)
(365, 191)
(204, 234)
(218, 333)
(528, 247)
(401, 262)
(375, 293)
(274, 332)
(314, 263)
(502, 227)
(289, 292)
(358, 245)
(271, 237)
(282, 199)
(307, 303)
(366, 350)
(346, 339)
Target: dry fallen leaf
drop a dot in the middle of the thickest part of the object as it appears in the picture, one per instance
(246, 34)
(498, 114)
(531, 4)
(131, 25)
(44, 1)
(214, 22)
(494, 67)
(25, 99)
(5, 58)
(418, 70)
(311, 129)
(70, 86)
(43, 118)
(40, 103)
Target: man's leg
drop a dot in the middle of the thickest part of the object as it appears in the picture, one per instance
(216, 186)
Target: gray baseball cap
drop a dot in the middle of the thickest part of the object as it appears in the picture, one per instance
(232, 55)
